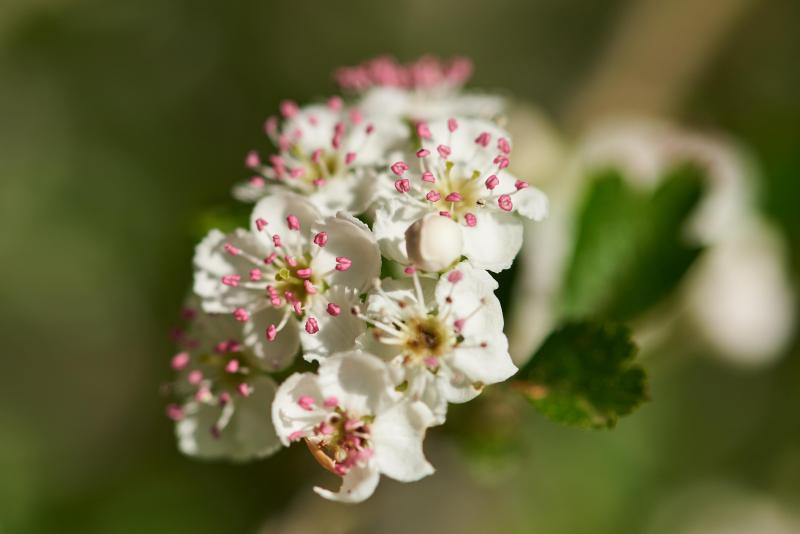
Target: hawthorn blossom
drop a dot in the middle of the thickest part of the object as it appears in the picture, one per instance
(325, 152)
(461, 175)
(443, 341)
(425, 89)
(288, 272)
(222, 392)
(354, 423)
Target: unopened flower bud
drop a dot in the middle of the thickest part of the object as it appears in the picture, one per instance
(433, 242)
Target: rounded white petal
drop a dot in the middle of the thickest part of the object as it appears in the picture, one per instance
(212, 262)
(433, 242)
(280, 352)
(357, 485)
(360, 381)
(472, 299)
(249, 434)
(351, 192)
(287, 415)
(274, 209)
(392, 219)
(493, 243)
(397, 437)
(349, 238)
(489, 365)
(337, 333)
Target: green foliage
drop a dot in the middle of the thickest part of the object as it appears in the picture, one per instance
(584, 375)
(629, 251)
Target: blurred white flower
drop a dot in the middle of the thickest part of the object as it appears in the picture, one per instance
(461, 176)
(222, 393)
(354, 423)
(327, 153)
(424, 90)
(290, 269)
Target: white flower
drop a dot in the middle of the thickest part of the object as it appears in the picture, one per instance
(222, 394)
(426, 89)
(292, 270)
(462, 176)
(327, 153)
(354, 423)
(444, 341)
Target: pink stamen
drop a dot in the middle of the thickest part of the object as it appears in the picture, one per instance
(333, 309)
(180, 361)
(483, 139)
(458, 324)
(297, 435)
(260, 224)
(252, 159)
(402, 185)
(423, 153)
(312, 327)
(320, 239)
(427, 176)
(335, 103)
(502, 162)
(470, 219)
(423, 131)
(445, 214)
(272, 332)
(309, 287)
(455, 276)
(444, 151)
(257, 181)
(452, 125)
(492, 182)
(195, 377)
(520, 184)
(241, 315)
(293, 222)
(503, 145)
(331, 402)
(276, 240)
(433, 196)
(231, 280)
(244, 390)
(288, 109)
(410, 269)
(291, 261)
(349, 158)
(304, 273)
(232, 366)
(343, 263)
(306, 402)
(269, 259)
(175, 412)
(504, 201)
(454, 197)
(230, 249)
(255, 275)
(399, 168)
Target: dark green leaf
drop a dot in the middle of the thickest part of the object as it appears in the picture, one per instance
(584, 375)
(630, 251)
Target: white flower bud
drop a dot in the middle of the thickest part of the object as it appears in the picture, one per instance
(433, 242)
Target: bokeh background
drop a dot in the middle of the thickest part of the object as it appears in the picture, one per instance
(121, 123)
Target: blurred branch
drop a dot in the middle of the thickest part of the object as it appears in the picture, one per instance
(655, 57)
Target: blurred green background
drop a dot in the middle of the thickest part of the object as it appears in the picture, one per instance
(121, 122)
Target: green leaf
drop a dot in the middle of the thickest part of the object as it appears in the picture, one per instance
(584, 375)
(630, 251)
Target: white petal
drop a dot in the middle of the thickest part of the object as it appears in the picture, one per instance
(388, 133)
(352, 192)
(336, 333)
(316, 123)
(393, 216)
(455, 386)
(249, 433)
(212, 262)
(472, 300)
(397, 436)
(357, 485)
(494, 242)
(488, 365)
(280, 352)
(361, 382)
(350, 238)
(287, 415)
(274, 209)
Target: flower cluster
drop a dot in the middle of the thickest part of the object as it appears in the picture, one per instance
(424, 166)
